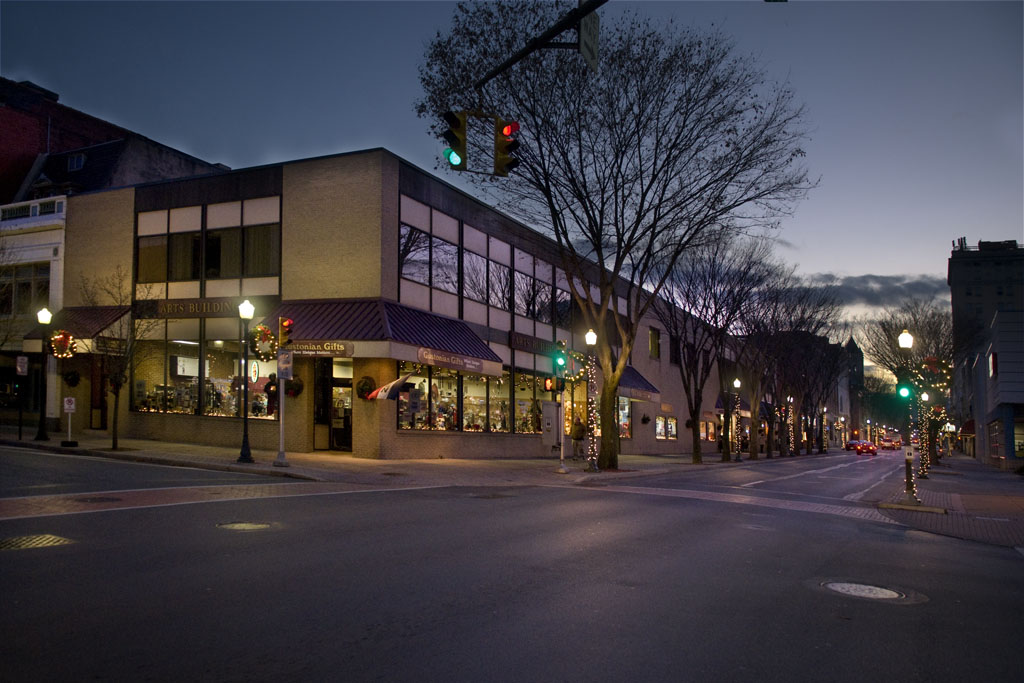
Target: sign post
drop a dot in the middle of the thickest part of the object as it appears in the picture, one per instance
(22, 368)
(284, 371)
(69, 410)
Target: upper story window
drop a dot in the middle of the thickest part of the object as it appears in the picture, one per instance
(24, 288)
(196, 253)
(673, 350)
(654, 343)
(76, 161)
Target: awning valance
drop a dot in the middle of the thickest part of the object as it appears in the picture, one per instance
(376, 328)
(634, 385)
(86, 323)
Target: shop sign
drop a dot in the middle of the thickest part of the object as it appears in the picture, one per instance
(109, 346)
(210, 307)
(445, 359)
(254, 372)
(524, 342)
(22, 365)
(333, 349)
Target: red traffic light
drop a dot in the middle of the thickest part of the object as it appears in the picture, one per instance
(510, 128)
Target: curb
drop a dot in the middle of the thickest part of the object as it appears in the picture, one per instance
(912, 508)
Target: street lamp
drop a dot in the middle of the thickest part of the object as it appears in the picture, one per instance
(44, 317)
(245, 312)
(736, 386)
(906, 342)
(591, 338)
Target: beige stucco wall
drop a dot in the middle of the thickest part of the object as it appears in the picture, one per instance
(331, 218)
(98, 238)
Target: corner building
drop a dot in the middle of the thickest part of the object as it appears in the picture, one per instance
(386, 271)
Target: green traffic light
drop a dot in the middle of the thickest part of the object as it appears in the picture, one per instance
(452, 156)
(905, 392)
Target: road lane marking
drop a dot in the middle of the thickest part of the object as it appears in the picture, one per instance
(803, 474)
(860, 494)
(864, 513)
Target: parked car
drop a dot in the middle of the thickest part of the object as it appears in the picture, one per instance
(866, 447)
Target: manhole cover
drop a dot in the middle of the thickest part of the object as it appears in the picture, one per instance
(36, 541)
(244, 526)
(98, 499)
(863, 590)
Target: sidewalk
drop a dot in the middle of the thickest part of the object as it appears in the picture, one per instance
(962, 497)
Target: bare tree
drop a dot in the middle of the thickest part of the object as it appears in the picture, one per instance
(675, 137)
(702, 301)
(123, 351)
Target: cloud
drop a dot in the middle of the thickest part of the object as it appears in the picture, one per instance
(875, 291)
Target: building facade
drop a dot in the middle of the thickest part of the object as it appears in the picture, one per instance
(987, 289)
(387, 273)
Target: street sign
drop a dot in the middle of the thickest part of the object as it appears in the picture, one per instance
(22, 365)
(284, 363)
(69, 404)
(590, 28)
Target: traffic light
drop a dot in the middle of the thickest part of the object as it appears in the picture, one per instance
(560, 358)
(904, 387)
(455, 136)
(554, 384)
(285, 327)
(504, 145)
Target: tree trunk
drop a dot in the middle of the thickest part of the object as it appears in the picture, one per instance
(695, 437)
(116, 391)
(608, 456)
(769, 435)
(755, 421)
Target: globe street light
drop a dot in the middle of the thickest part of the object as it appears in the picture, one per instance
(591, 338)
(906, 343)
(245, 312)
(44, 317)
(736, 385)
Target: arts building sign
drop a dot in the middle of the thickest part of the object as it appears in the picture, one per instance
(212, 307)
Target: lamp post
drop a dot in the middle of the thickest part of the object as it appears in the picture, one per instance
(591, 338)
(736, 428)
(245, 312)
(906, 342)
(44, 317)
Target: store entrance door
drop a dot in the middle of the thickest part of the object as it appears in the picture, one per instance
(332, 405)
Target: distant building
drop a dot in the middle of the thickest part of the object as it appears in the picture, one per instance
(987, 289)
(49, 152)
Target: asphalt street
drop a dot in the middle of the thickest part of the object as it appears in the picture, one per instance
(511, 583)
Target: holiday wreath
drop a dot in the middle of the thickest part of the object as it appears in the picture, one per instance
(63, 344)
(263, 343)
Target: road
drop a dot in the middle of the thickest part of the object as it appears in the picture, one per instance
(666, 579)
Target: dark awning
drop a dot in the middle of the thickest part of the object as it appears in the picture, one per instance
(85, 323)
(634, 385)
(375, 328)
(744, 404)
(968, 428)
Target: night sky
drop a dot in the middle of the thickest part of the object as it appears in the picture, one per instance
(915, 107)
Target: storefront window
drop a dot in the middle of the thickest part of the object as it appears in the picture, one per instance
(182, 388)
(659, 427)
(528, 411)
(498, 397)
(474, 403)
(444, 398)
(623, 414)
(671, 428)
(414, 398)
(222, 387)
